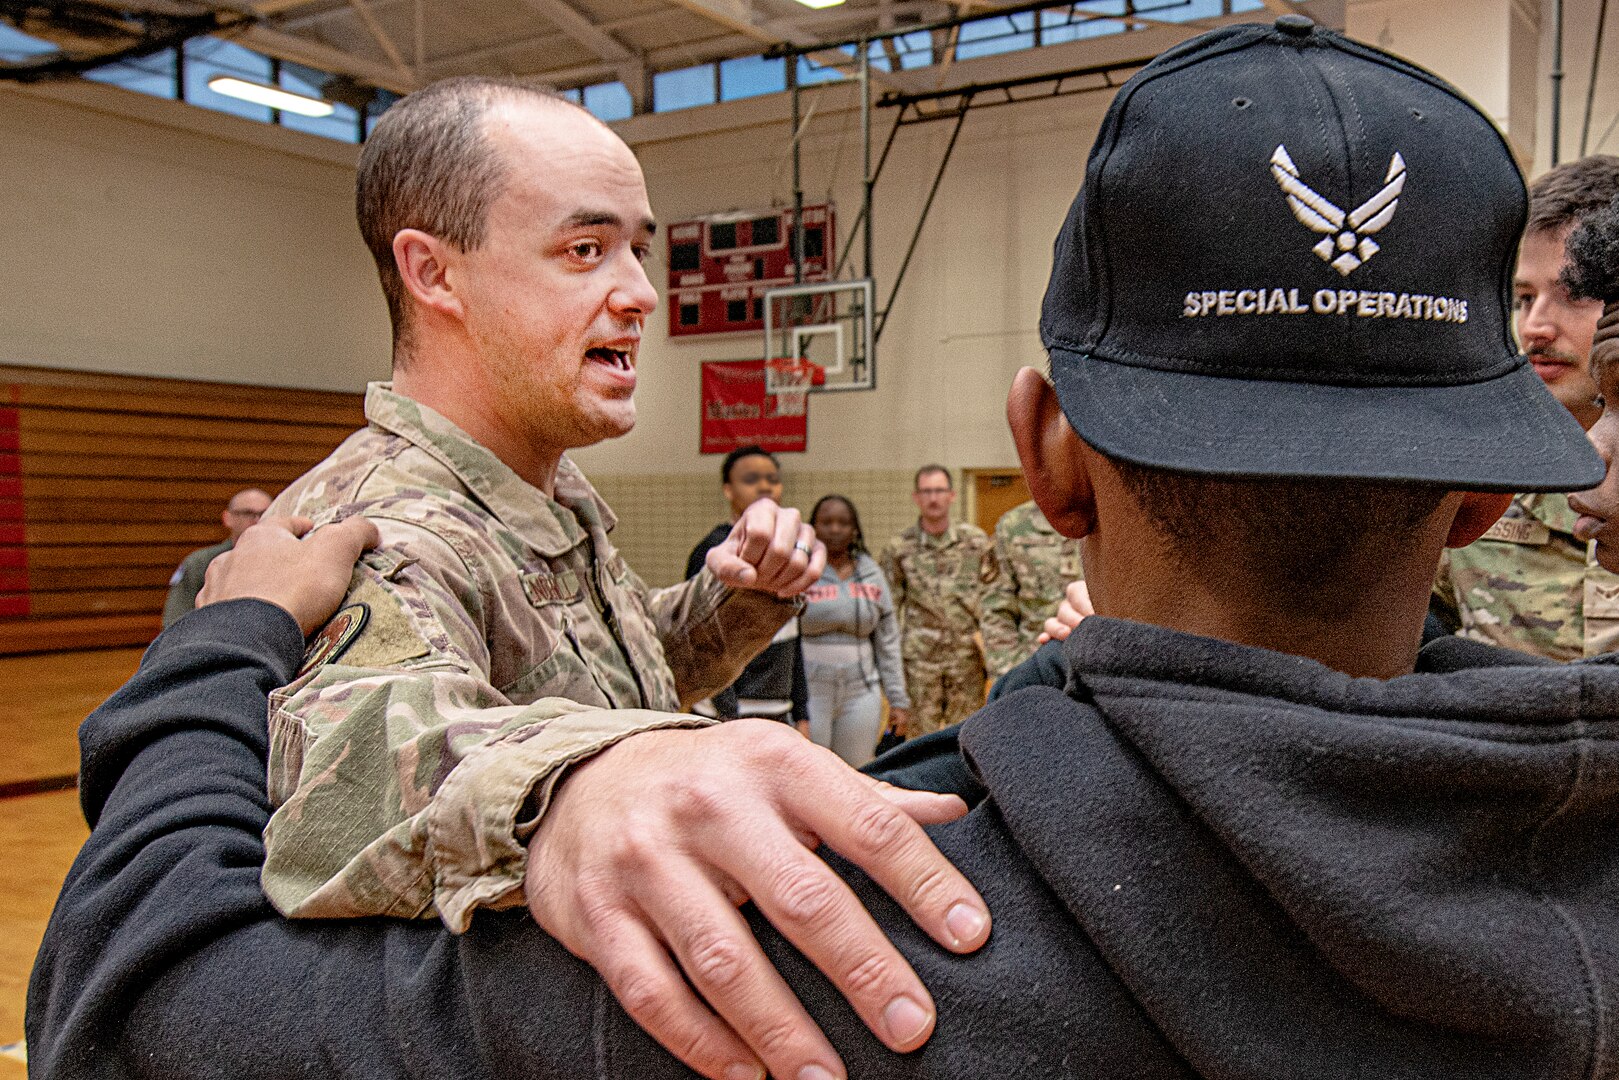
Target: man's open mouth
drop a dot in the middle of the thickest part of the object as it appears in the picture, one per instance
(616, 358)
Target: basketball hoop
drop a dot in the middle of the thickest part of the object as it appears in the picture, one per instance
(789, 380)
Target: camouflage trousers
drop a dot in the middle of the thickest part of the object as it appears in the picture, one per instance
(944, 691)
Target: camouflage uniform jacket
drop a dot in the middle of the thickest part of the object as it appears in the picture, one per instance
(1036, 563)
(1529, 585)
(937, 582)
(493, 638)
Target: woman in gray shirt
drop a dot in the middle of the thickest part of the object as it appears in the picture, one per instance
(851, 640)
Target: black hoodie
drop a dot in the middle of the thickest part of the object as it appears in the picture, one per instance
(1203, 859)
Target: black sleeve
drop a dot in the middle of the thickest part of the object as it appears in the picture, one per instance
(163, 959)
(930, 762)
(800, 682)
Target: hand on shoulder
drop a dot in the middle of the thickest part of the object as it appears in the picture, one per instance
(288, 562)
(647, 849)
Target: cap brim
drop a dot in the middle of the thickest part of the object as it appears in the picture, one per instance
(1503, 434)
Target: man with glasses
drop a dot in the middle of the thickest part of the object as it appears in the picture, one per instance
(937, 570)
(244, 509)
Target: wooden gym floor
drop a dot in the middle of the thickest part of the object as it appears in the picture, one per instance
(42, 701)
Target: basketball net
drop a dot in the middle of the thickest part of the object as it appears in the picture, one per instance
(789, 379)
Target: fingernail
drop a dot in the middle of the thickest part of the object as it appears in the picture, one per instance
(743, 1070)
(905, 1021)
(816, 1072)
(965, 923)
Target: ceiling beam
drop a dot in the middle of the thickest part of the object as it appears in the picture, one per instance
(313, 54)
(573, 23)
(276, 7)
(380, 36)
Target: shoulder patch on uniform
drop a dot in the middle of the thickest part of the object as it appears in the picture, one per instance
(335, 636)
(1518, 531)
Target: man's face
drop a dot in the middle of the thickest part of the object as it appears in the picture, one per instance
(752, 478)
(556, 295)
(244, 512)
(933, 496)
(1599, 507)
(1554, 330)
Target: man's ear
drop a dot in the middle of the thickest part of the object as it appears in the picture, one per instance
(1478, 512)
(1051, 453)
(424, 262)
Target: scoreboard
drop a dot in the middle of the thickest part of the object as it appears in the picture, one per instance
(721, 265)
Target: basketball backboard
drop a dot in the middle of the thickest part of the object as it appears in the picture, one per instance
(829, 325)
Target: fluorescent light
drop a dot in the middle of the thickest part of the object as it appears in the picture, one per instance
(284, 100)
(820, 3)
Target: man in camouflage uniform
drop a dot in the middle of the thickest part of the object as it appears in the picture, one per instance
(1528, 583)
(1035, 564)
(937, 570)
(496, 635)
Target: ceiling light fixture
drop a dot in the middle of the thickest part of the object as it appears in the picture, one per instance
(820, 3)
(259, 94)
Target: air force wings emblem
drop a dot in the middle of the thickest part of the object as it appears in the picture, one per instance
(1347, 238)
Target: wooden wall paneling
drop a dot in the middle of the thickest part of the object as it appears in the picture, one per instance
(108, 481)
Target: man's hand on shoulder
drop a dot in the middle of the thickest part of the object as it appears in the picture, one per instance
(770, 549)
(646, 850)
(280, 560)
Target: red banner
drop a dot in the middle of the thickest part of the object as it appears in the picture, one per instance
(738, 412)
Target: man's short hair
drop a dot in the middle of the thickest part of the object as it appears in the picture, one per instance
(1280, 531)
(1565, 195)
(744, 452)
(916, 482)
(429, 164)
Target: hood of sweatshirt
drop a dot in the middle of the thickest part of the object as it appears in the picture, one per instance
(1293, 870)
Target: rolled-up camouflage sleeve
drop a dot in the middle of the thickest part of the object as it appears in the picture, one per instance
(710, 631)
(998, 614)
(407, 784)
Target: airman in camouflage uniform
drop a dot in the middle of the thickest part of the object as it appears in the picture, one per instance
(937, 583)
(1529, 585)
(494, 637)
(1036, 563)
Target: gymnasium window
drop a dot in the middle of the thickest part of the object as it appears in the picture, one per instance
(152, 75)
(342, 125)
(999, 34)
(204, 58)
(750, 76)
(608, 101)
(16, 45)
(685, 87)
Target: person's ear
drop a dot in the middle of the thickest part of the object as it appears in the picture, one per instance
(425, 263)
(1479, 510)
(1052, 457)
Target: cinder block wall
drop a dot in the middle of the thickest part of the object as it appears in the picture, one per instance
(661, 518)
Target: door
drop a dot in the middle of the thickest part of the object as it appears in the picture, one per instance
(995, 491)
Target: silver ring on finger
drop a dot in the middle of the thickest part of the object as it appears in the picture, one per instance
(803, 547)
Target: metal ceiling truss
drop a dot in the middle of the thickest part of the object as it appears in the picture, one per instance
(89, 35)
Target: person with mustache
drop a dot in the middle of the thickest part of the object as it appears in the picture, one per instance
(1530, 583)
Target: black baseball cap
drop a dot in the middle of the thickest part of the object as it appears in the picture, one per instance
(1292, 257)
